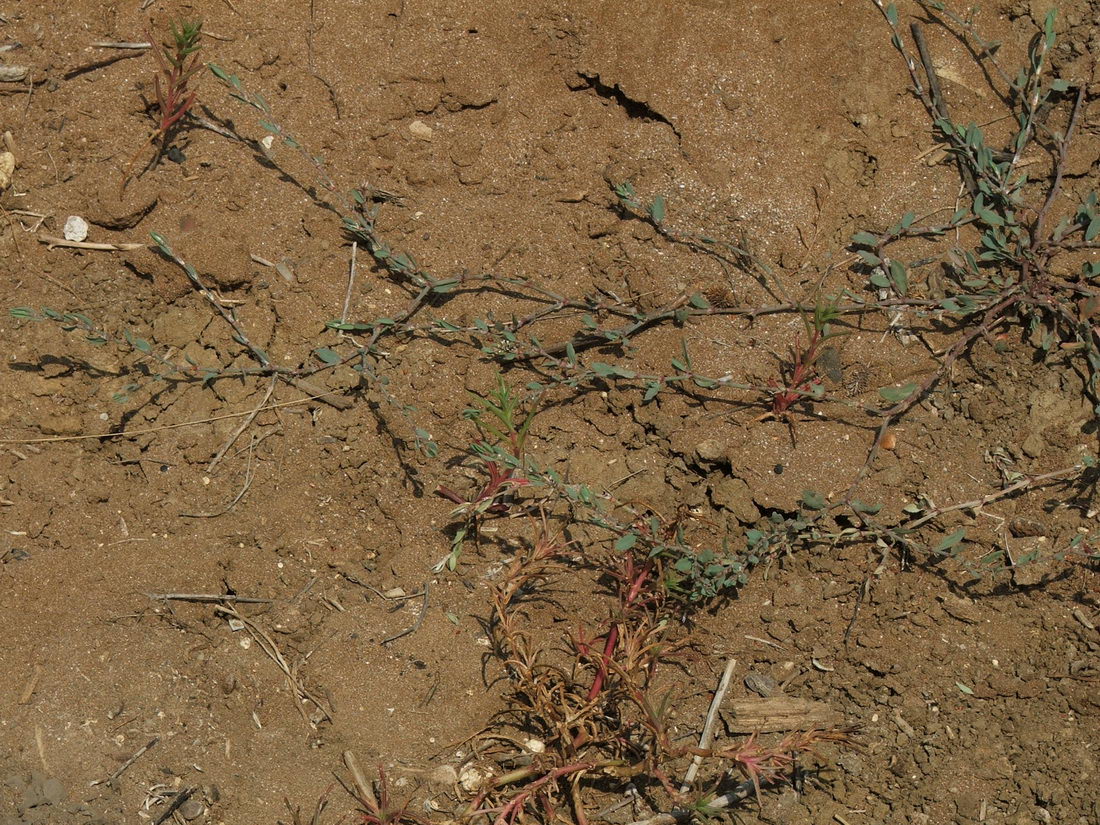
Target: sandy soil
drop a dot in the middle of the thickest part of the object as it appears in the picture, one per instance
(499, 129)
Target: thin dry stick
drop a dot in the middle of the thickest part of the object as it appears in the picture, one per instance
(361, 784)
(272, 650)
(32, 684)
(978, 503)
(52, 242)
(249, 475)
(125, 765)
(146, 430)
(107, 44)
(207, 597)
(707, 737)
(351, 283)
(314, 391)
(244, 426)
(177, 803)
(1059, 167)
(938, 99)
(416, 625)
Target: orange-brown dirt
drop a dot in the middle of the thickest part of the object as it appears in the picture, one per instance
(501, 126)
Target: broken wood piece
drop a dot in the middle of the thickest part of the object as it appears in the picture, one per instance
(776, 714)
(52, 242)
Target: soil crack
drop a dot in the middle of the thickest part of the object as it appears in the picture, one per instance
(633, 107)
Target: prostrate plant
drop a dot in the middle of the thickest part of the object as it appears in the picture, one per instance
(177, 62)
(1001, 267)
(1008, 274)
(594, 719)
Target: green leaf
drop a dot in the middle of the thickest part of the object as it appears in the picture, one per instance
(898, 276)
(140, 344)
(22, 312)
(865, 239)
(813, 500)
(1093, 229)
(869, 509)
(604, 370)
(892, 14)
(328, 356)
(699, 301)
(897, 393)
(651, 390)
(907, 219)
(657, 209)
(162, 244)
(950, 541)
(347, 326)
(968, 691)
(626, 541)
(869, 258)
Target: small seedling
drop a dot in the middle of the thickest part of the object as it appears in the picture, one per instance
(802, 379)
(177, 63)
(503, 425)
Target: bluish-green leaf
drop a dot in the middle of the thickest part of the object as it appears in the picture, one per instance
(699, 301)
(1093, 229)
(898, 276)
(950, 541)
(897, 393)
(813, 500)
(626, 541)
(657, 209)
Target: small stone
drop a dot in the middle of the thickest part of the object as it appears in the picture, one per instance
(472, 778)
(7, 169)
(76, 228)
(11, 73)
(192, 809)
(1021, 527)
(962, 609)
(709, 450)
(572, 197)
(1033, 445)
(420, 130)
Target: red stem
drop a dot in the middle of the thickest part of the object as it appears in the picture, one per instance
(613, 634)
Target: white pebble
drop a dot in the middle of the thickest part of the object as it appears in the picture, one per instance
(76, 228)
